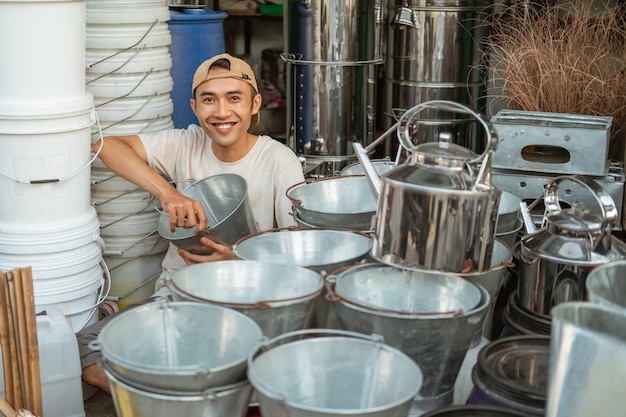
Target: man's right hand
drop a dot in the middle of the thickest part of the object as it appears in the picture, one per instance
(184, 212)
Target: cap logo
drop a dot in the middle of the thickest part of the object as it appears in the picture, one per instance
(244, 76)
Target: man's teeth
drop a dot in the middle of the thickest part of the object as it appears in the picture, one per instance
(224, 125)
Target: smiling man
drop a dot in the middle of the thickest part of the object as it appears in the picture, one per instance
(226, 101)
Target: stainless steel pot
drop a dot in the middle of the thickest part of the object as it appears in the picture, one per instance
(439, 211)
(556, 260)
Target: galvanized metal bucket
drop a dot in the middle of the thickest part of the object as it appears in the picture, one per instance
(330, 373)
(436, 338)
(606, 284)
(178, 346)
(587, 361)
(278, 297)
(129, 401)
(340, 201)
(224, 198)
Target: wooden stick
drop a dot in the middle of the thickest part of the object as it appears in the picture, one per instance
(6, 409)
(12, 384)
(27, 337)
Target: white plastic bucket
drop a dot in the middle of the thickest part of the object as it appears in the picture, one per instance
(141, 223)
(133, 127)
(131, 246)
(107, 61)
(129, 35)
(58, 264)
(137, 11)
(130, 85)
(130, 275)
(113, 202)
(104, 180)
(134, 108)
(45, 155)
(78, 296)
(28, 239)
(43, 49)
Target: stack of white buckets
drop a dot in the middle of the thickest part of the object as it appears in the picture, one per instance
(47, 221)
(128, 72)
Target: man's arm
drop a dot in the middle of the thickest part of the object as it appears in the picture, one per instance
(126, 157)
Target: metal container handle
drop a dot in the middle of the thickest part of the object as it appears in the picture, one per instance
(604, 199)
(407, 117)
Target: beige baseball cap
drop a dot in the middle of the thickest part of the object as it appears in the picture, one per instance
(239, 69)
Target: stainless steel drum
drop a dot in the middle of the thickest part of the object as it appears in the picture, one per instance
(224, 198)
(332, 373)
(179, 346)
(278, 297)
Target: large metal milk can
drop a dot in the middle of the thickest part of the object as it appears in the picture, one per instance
(438, 211)
(556, 259)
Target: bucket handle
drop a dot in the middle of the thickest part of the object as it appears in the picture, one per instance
(70, 176)
(102, 295)
(266, 344)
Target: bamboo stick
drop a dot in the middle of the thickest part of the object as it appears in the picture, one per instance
(6, 409)
(28, 337)
(12, 384)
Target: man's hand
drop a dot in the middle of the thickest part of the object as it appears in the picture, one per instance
(184, 212)
(220, 253)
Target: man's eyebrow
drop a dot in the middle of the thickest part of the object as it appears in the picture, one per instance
(211, 93)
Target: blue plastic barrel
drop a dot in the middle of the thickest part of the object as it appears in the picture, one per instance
(197, 35)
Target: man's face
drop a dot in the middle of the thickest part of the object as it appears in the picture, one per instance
(224, 107)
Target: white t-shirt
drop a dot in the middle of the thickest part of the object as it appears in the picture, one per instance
(270, 168)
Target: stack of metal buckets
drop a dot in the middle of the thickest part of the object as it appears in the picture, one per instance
(46, 115)
(128, 72)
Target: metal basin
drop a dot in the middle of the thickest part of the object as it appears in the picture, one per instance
(340, 201)
(606, 284)
(224, 198)
(179, 346)
(321, 249)
(508, 212)
(334, 373)
(380, 166)
(278, 297)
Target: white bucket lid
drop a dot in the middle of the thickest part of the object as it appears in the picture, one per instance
(57, 264)
(102, 179)
(137, 11)
(61, 115)
(130, 84)
(135, 108)
(106, 61)
(50, 237)
(69, 287)
(130, 35)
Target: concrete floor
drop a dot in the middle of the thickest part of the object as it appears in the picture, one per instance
(100, 405)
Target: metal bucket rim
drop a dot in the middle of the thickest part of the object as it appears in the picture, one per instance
(267, 303)
(342, 335)
(191, 232)
(188, 370)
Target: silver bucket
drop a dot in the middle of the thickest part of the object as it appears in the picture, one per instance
(130, 401)
(332, 373)
(321, 249)
(278, 297)
(606, 284)
(224, 198)
(474, 411)
(380, 165)
(179, 346)
(437, 340)
(340, 201)
(587, 361)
